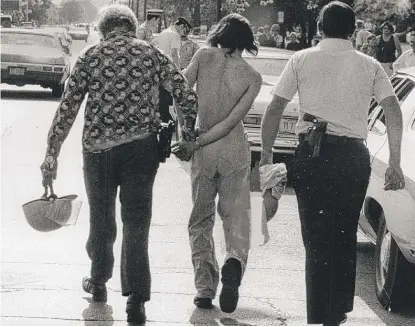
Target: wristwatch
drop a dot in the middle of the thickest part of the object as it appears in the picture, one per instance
(50, 161)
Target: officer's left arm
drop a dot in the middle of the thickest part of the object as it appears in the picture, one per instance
(186, 99)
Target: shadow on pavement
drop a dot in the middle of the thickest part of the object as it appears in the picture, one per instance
(365, 289)
(45, 95)
(98, 314)
(245, 316)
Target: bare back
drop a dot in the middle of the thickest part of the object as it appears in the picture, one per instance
(221, 82)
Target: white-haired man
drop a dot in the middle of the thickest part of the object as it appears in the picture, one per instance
(407, 59)
(122, 76)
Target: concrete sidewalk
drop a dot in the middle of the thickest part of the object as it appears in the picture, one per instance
(42, 272)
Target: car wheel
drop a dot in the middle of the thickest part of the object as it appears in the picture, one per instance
(57, 90)
(391, 270)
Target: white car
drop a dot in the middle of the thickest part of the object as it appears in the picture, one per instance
(388, 217)
(270, 63)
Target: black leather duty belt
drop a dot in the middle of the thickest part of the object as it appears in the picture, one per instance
(333, 139)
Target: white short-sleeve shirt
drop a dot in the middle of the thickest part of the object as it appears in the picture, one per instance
(336, 84)
(167, 40)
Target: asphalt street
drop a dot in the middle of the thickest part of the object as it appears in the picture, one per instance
(41, 273)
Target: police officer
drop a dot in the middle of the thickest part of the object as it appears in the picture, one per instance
(331, 166)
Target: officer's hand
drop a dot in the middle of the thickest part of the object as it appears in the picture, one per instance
(49, 171)
(394, 178)
(270, 204)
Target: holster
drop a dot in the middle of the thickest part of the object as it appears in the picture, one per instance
(165, 136)
(315, 134)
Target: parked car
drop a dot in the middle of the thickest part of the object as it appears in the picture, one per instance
(388, 217)
(28, 25)
(34, 57)
(78, 33)
(64, 37)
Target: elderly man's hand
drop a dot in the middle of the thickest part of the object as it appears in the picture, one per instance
(394, 178)
(49, 168)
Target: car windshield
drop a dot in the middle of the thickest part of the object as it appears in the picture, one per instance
(28, 39)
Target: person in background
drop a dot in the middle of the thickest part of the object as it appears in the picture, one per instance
(361, 34)
(188, 48)
(388, 47)
(227, 86)
(145, 30)
(262, 39)
(369, 47)
(293, 44)
(120, 147)
(269, 40)
(277, 37)
(407, 59)
(169, 42)
(335, 84)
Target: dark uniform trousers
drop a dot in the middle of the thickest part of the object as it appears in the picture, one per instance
(330, 192)
(132, 167)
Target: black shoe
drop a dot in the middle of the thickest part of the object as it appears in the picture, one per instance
(337, 321)
(98, 291)
(203, 302)
(136, 312)
(231, 280)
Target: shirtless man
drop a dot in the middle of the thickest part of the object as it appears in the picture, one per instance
(227, 86)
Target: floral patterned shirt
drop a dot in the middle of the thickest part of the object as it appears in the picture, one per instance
(121, 76)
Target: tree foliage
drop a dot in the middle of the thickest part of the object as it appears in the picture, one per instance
(381, 10)
(77, 11)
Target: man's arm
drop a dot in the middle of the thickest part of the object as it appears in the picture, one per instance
(176, 84)
(394, 128)
(270, 126)
(68, 108)
(397, 45)
(238, 112)
(192, 70)
(175, 56)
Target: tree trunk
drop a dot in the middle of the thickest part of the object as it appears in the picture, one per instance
(218, 10)
(196, 14)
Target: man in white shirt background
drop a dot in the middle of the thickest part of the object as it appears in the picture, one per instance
(407, 59)
(361, 34)
(169, 41)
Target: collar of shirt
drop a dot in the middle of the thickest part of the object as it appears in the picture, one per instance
(113, 34)
(335, 45)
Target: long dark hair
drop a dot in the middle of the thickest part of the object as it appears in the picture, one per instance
(234, 32)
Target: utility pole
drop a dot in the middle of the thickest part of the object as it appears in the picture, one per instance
(145, 9)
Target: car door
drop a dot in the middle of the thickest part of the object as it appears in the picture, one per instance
(377, 144)
(398, 206)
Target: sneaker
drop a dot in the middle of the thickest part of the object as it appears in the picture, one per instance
(231, 280)
(98, 291)
(136, 312)
(203, 302)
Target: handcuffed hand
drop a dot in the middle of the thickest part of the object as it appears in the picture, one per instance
(270, 204)
(184, 150)
(394, 179)
(49, 170)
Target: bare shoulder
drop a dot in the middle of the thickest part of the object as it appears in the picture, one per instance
(253, 75)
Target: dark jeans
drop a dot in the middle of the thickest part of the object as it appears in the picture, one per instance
(165, 100)
(132, 167)
(330, 193)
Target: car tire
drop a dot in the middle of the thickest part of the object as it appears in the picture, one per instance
(57, 90)
(392, 270)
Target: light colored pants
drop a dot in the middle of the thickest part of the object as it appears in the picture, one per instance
(234, 208)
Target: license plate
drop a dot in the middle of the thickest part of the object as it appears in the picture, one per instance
(287, 126)
(17, 70)
(251, 120)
